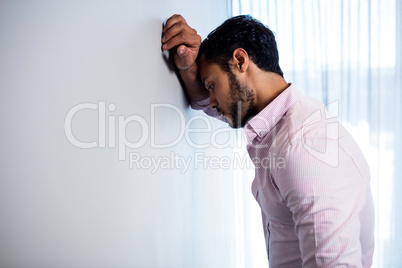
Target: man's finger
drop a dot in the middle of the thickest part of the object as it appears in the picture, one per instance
(172, 21)
(181, 50)
(177, 29)
(172, 31)
(181, 38)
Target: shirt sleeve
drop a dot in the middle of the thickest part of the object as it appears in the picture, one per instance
(327, 202)
(204, 106)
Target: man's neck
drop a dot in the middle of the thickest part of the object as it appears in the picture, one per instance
(268, 86)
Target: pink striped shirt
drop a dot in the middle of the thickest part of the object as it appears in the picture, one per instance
(312, 183)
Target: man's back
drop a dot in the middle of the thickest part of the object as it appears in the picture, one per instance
(314, 194)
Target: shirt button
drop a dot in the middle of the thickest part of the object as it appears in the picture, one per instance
(261, 133)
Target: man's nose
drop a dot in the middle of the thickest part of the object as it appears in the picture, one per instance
(213, 103)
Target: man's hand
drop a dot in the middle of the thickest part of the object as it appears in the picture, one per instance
(183, 39)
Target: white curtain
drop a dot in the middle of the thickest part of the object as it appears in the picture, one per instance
(347, 53)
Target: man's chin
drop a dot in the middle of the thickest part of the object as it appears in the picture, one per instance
(239, 124)
(232, 123)
(235, 127)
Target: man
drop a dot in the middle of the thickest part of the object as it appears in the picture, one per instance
(317, 207)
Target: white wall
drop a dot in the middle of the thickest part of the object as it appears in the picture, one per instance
(64, 206)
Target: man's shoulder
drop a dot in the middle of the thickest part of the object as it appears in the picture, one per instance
(307, 118)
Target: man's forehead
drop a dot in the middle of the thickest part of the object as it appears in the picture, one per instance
(202, 62)
(207, 68)
(204, 68)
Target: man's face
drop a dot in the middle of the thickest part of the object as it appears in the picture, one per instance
(231, 98)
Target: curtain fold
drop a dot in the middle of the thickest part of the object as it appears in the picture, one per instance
(348, 53)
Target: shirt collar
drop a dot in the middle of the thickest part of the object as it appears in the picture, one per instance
(267, 118)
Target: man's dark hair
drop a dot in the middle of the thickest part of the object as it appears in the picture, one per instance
(242, 32)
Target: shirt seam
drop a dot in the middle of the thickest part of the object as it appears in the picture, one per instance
(281, 154)
(354, 163)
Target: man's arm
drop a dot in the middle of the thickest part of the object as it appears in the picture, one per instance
(185, 44)
(331, 206)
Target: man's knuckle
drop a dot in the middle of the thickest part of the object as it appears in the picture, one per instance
(181, 18)
(184, 36)
(181, 24)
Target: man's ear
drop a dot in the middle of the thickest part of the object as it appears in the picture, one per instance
(241, 59)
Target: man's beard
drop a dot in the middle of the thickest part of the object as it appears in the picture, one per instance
(241, 99)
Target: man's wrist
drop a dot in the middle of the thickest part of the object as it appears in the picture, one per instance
(190, 72)
(192, 83)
